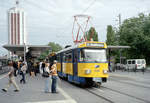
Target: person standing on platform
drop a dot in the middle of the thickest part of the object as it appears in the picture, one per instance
(40, 67)
(43, 65)
(46, 75)
(11, 78)
(54, 77)
(15, 66)
(23, 72)
(35, 68)
(32, 69)
(19, 67)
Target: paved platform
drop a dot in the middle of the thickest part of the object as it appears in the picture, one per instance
(32, 92)
(121, 87)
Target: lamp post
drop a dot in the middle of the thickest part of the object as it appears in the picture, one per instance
(24, 52)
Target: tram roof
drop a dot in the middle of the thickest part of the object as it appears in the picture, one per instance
(108, 47)
(84, 44)
(66, 49)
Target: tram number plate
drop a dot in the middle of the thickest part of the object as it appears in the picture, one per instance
(97, 79)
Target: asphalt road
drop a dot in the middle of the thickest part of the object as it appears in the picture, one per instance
(122, 87)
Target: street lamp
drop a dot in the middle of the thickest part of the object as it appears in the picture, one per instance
(24, 52)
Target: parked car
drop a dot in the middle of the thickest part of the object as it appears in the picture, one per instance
(136, 64)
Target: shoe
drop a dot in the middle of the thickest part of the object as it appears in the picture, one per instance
(4, 90)
(16, 90)
(55, 92)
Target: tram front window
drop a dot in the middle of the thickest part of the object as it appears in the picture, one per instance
(93, 55)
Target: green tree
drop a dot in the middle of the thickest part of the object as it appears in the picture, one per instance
(111, 40)
(110, 36)
(55, 47)
(44, 55)
(92, 34)
(135, 32)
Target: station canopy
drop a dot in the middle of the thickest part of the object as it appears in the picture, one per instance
(35, 50)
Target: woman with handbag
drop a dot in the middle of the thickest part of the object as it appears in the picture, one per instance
(46, 75)
(54, 77)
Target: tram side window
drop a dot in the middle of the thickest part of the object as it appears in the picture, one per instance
(58, 57)
(64, 57)
(75, 58)
(82, 56)
(68, 57)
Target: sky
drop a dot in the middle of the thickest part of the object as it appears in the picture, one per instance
(52, 20)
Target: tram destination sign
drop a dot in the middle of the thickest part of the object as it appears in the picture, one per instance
(95, 44)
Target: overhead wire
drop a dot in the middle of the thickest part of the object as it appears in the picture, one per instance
(92, 3)
(51, 26)
(43, 9)
(39, 7)
(50, 1)
(33, 4)
(64, 31)
(48, 12)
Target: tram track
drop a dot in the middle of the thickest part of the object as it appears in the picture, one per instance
(128, 78)
(146, 101)
(90, 90)
(101, 94)
(102, 97)
(130, 83)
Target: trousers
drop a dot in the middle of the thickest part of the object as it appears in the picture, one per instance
(54, 83)
(12, 81)
(47, 84)
(23, 78)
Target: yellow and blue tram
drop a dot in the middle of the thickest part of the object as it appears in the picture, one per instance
(84, 64)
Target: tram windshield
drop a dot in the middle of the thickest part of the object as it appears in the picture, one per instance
(93, 55)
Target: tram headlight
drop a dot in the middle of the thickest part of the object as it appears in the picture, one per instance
(105, 71)
(88, 71)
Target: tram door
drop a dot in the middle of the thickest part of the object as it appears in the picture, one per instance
(75, 62)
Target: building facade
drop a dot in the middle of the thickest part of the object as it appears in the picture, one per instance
(17, 27)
